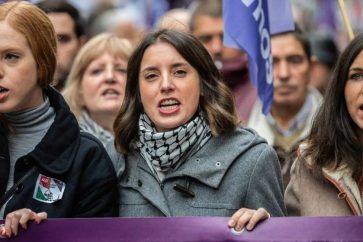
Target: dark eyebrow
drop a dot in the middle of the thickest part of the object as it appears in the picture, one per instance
(179, 65)
(150, 68)
(355, 69)
(154, 68)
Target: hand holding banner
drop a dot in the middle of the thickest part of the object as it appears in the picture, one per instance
(192, 229)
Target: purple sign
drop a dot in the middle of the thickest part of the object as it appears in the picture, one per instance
(192, 229)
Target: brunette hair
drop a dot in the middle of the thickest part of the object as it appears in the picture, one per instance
(334, 140)
(301, 37)
(216, 103)
(62, 6)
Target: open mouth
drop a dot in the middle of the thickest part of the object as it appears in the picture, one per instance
(169, 104)
(3, 89)
(4, 92)
(110, 93)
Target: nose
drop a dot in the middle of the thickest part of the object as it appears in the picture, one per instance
(110, 75)
(216, 46)
(166, 84)
(282, 71)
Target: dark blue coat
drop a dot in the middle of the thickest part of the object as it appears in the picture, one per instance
(73, 157)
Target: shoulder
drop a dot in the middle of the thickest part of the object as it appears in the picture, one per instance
(256, 148)
(303, 160)
(248, 138)
(90, 141)
(241, 136)
(315, 95)
(118, 159)
(303, 168)
(93, 149)
(242, 144)
(256, 114)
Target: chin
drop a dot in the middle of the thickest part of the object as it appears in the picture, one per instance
(111, 110)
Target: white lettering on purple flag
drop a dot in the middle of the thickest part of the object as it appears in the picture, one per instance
(265, 46)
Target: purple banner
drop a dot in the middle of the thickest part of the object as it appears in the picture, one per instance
(192, 229)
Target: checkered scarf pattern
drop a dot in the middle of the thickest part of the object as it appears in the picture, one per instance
(164, 150)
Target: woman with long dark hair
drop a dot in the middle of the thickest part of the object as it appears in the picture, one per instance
(180, 150)
(327, 176)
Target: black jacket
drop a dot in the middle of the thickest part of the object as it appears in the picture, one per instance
(77, 159)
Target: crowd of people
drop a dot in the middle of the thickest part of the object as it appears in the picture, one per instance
(170, 124)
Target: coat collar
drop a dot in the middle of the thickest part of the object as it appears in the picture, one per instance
(210, 164)
(55, 152)
(258, 121)
(57, 149)
(343, 180)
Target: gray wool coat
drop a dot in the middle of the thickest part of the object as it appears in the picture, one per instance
(230, 172)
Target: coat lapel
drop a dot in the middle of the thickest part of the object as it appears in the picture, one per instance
(140, 178)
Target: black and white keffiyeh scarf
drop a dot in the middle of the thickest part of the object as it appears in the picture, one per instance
(164, 150)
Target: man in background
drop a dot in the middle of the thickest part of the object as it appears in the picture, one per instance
(69, 28)
(294, 103)
(207, 25)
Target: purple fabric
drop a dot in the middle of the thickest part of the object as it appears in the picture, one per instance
(247, 25)
(326, 16)
(192, 229)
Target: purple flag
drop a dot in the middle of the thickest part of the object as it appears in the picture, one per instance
(192, 229)
(248, 25)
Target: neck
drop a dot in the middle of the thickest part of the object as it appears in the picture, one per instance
(284, 114)
(31, 120)
(105, 120)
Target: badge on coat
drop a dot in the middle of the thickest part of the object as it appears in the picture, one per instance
(48, 189)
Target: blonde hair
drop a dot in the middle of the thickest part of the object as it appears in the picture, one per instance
(95, 47)
(38, 30)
